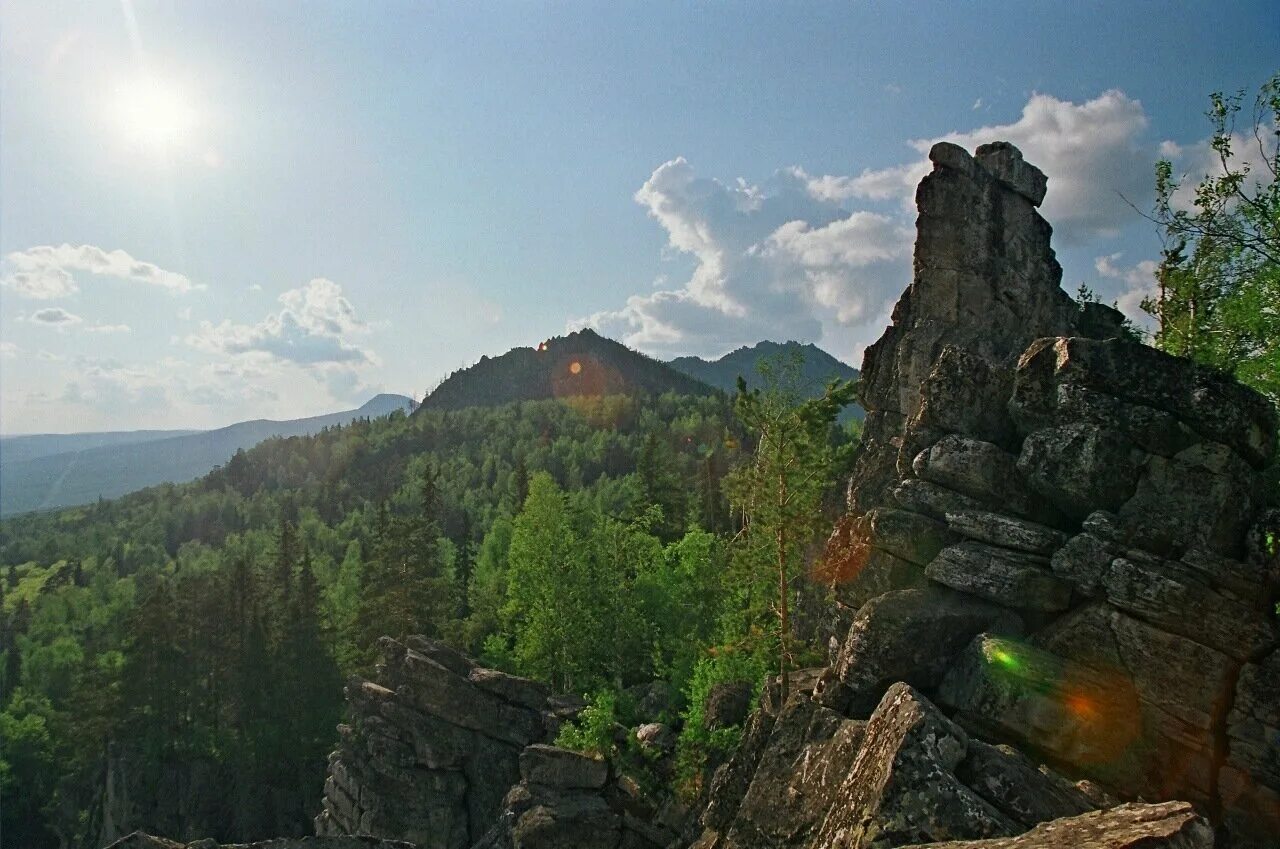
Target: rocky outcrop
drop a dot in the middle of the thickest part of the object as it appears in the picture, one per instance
(432, 747)
(908, 774)
(1171, 825)
(568, 800)
(986, 283)
(1053, 534)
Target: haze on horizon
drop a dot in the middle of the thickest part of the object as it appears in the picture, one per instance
(214, 212)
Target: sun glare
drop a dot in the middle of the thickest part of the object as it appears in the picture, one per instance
(153, 113)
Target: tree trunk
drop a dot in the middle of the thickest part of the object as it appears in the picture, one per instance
(784, 624)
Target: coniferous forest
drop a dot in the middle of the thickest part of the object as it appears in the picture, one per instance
(187, 644)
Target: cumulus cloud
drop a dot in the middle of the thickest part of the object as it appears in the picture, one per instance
(772, 261)
(61, 319)
(311, 330)
(1198, 161)
(1093, 154)
(314, 331)
(40, 283)
(1139, 281)
(55, 317)
(45, 271)
(795, 258)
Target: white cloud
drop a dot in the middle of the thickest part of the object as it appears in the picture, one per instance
(792, 258)
(41, 284)
(779, 260)
(55, 317)
(1139, 282)
(310, 330)
(313, 331)
(1092, 152)
(1195, 162)
(45, 271)
(8, 350)
(61, 319)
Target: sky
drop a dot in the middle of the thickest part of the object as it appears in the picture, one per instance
(215, 211)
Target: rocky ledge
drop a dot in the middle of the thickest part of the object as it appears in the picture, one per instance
(1056, 535)
(432, 747)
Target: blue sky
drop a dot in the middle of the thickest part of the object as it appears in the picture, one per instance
(218, 211)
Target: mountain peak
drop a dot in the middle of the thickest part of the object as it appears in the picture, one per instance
(385, 402)
(818, 368)
(581, 363)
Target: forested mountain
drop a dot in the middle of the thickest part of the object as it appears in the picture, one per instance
(14, 449)
(817, 370)
(188, 639)
(119, 466)
(580, 364)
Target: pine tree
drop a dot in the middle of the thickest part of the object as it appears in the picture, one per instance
(779, 491)
(407, 589)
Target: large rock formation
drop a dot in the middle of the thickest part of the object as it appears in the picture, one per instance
(1171, 825)
(815, 778)
(567, 800)
(1057, 535)
(432, 747)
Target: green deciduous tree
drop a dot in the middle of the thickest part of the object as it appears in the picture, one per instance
(1218, 284)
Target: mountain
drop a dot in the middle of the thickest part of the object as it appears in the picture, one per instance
(819, 368)
(112, 469)
(28, 447)
(583, 363)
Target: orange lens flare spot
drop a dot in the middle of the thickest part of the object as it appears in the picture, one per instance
(575, 367)
(1081, 706)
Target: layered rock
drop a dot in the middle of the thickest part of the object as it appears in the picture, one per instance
(908, 774)
(1056, 534)
(1171, 825)
(986, 283)
(432, 747)
(568, 800)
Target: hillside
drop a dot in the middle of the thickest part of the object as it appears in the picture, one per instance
(819, 368)
(113, 469)
(583, 363)
(281, 551)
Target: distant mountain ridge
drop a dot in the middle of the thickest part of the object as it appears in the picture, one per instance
(581, 363)
(109, 470)
(819, 368)
(14, 449)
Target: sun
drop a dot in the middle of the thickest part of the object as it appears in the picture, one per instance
(153, 113)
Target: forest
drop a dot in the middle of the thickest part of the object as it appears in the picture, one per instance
(189, 643)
